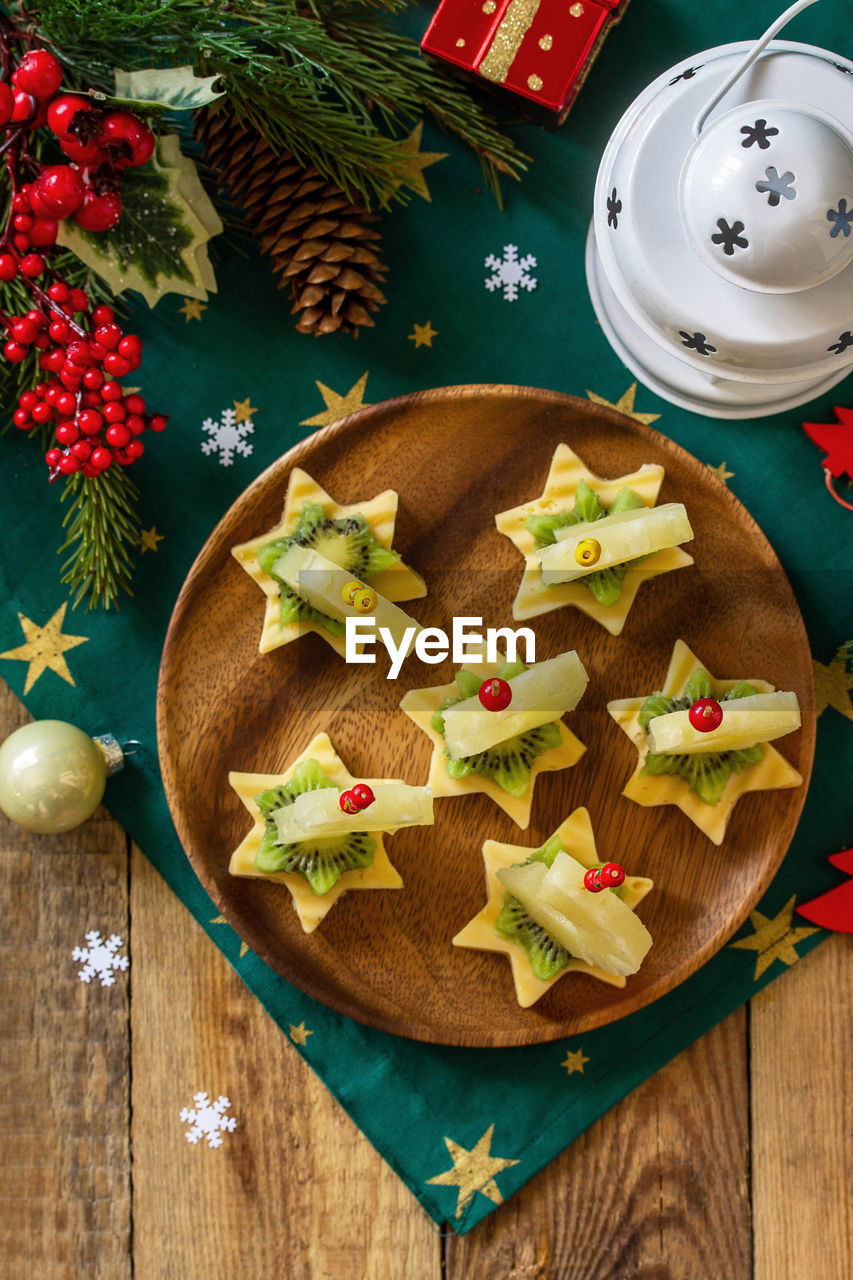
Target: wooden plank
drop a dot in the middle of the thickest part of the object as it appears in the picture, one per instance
(656, 1188)
(295, 1190)
(64, 1122)
(802, 1106)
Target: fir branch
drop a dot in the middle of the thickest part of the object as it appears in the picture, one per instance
(316, 80)
(102, 526)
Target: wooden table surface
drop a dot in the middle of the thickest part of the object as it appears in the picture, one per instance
(735, 1162)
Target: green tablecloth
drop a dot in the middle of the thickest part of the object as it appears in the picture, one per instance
(491, 1116)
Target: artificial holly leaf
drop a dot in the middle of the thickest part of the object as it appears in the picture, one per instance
(836, 439)
(834, 910)
(157, 89)
(159, 244)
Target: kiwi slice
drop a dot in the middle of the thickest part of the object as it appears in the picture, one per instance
(507, 763)
(705, 772)
(547, 957)
(321, 862)
(347, 540)
(605, 584)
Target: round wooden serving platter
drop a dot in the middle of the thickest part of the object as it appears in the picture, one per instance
(457, 456)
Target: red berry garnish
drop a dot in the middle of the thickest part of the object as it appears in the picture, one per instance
(8, 267)
(112, 391)
(495, 694)
(135, 424)
(23, 330)
(158, 421)
(43, 233)
(118, 435)
(134, 403)
(93, 379)
(108, 335)
(52, 457)
(82, 449)
(58, 291)
(60, 189)
(135, 449)
(102, 314)
(66, 403)
(362, 794)
(90, 422)
(348, 802)
(78, 354)
(69, 464)
(23, 106)
(21, 241)
(42, 413)
(113, 411)
(23, 221)
(59, 331)
(116, 365)
(39, 73)
(101, 458)
(53, 360)
(27, 400)
(705, 714)
(67, 433)
(22, 419)
(32, 266)
(130, 347)
(79, 299)
(98, 213)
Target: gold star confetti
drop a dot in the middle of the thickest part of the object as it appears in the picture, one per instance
(244, 410)
(574, 1061)
(773, 939)
(423, 335)
(300, 1034)
(720, 472)
(625, 404)
(244, 946)
(192, 309)
(417, 161)
(148, 539)
(833, 684)
(338, 406)
(473, 1171)
(44, 648)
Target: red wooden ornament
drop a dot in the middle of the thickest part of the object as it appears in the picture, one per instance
(834, 910)
(540, 50)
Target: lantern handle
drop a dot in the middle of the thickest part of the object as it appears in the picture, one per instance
(758, 48)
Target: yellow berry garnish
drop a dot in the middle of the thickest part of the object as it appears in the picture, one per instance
(364, 600)
(348, 593)
(587, 551)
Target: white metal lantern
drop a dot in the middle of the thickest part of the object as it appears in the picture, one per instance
(720, 255)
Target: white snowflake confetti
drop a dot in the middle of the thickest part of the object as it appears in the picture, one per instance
(208, 1120)
(100, 958)
(227, 437)
(510, 272)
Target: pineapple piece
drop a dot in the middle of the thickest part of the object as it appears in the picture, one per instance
(596, 927)
(321, 582)
(761, 717)
(613, 540)
(315, 814)
(540, 694)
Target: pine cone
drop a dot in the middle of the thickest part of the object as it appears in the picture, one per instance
(318, 241)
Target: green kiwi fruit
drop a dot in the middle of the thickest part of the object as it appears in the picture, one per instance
(348, 540)
(547, 957)
(321, 862)
(507, 763)
(707, 772)
(605, 584)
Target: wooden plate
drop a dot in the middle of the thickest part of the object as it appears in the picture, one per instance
(457, 456)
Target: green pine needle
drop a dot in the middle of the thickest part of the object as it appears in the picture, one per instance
(102, 527)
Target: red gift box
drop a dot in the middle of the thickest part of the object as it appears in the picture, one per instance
(540, 49)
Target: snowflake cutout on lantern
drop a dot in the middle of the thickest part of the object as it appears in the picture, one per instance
(696, 342)
(227, 437)
(845, 340)
(730, 237)
(208, 1120)
(759, 133)
(510, 272)
(100, 958)
(614, 208)
(840, 219)
(777, 187)
(687, 75)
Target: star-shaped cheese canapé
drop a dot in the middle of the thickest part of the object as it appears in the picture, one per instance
(310, 908)
(567, 470)
(421, 705)
(770, 773)
(396, 583)
(576, 836)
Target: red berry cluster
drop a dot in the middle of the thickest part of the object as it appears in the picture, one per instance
(96, 423)
(100, 144)
(82, 352)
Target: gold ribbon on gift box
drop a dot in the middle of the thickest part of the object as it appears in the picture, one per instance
(513, 28)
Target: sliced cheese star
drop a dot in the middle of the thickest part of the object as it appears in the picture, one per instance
(567, 471)
(576, 836)
(310, 907)
(770, 773)
(395, 584)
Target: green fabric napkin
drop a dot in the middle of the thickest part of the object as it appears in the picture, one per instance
(442, 1117)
